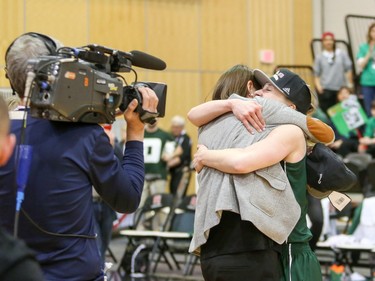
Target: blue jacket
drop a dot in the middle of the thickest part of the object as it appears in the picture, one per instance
(68, 160)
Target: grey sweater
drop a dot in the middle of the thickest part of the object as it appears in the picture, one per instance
(263, 197)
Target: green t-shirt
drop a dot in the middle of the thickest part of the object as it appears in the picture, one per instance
(370, 128)
(296, 173)
(368, 72)
(154, 144)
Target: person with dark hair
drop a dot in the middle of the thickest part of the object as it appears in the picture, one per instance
(241, 219)
(160, 147)
(17, 261)
(345, 144)
(366, 64)
(332, 70)
(56, 218)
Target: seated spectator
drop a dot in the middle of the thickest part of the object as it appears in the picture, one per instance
(159, 148)
(365, 62)
(344, 144)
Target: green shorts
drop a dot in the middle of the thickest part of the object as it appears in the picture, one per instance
(299, 263)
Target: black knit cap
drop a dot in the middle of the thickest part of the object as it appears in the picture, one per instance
(290, 84)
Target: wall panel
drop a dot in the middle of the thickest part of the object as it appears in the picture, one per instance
(303, 26)
(223, 30)
(118, 24)
(209, 80)
(191, 35)
(173, 32)
(11, 25)
(183, 89)
(65, 20)
(271, 28)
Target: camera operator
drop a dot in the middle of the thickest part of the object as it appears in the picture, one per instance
(56, 219)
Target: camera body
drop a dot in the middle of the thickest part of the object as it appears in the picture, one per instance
(71, 89)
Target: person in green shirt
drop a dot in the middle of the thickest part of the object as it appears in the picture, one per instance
(367, 143)
(159, 148)
(366, 62)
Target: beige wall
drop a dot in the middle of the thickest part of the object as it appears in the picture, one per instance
(329, 15)
(198, 39)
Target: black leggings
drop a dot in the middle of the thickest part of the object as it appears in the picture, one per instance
(327, 99)
(261, 265)
(315, 213)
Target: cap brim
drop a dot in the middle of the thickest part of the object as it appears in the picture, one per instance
(318, 194)
(263, 79)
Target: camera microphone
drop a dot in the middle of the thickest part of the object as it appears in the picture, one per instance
(137, 58)
(144, 60)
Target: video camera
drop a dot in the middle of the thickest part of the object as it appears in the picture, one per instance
(81, 84)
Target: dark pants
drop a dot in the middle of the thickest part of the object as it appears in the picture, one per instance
(327, 99)
(348, 145)
(315, 212)
(176, 176)
(368, 93)
(261, 265)
(104, 217)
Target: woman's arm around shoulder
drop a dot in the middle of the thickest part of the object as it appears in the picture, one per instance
(286, 142)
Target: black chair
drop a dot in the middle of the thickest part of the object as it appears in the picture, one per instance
(176, 239)
(358, 163)
(370, 179)
(343, 217)
(149, 220)
(184, 183)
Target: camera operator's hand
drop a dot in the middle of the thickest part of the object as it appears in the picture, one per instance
(135, 129)
(149, 99)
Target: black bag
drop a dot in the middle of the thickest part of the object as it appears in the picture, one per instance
(136, 259)
(326, 172)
